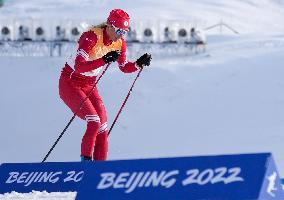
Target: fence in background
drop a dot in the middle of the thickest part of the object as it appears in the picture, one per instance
(41, 37)
(221, 26)
(70, 30)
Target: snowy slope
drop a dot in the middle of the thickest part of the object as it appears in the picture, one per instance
(230, 101)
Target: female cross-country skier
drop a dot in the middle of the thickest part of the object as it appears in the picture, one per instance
(97, 47)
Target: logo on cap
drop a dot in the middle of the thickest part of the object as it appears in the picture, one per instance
(125, 23)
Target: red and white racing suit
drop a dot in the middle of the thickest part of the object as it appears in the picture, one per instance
(77, 80)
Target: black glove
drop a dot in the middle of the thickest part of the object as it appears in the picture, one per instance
(144, 60)
(111, 56)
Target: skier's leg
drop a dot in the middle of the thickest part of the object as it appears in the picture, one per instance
(73, 97)
(89, 138)
(101, 145)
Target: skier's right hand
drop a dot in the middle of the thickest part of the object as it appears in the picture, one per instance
(111, 56)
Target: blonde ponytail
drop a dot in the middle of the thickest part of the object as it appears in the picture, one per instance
(102, 25)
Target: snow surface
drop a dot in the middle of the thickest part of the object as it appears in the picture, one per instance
(39, 196)
(228, 100)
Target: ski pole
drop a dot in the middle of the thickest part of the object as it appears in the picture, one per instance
(74, 115)
(124, 102)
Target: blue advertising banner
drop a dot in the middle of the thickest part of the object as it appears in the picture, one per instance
(234, 177)
(51, 177)
(272, 187)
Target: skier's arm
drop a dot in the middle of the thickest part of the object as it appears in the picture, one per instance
(82, 64)
(125, 65)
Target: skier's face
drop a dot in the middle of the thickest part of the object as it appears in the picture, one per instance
(115, 33)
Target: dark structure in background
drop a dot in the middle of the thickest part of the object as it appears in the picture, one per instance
(39, 34)
(169, 36)
(5, 34)
(131, 36)
(182, 35)
(23, 33)
(148, 35)
(197, 40)
(75, 33)
(60, 34)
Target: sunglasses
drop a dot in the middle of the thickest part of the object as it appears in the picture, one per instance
(119, 31)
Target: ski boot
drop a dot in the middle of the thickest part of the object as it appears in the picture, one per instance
(86, 159)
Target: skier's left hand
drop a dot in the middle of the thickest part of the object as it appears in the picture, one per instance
(144, 60)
